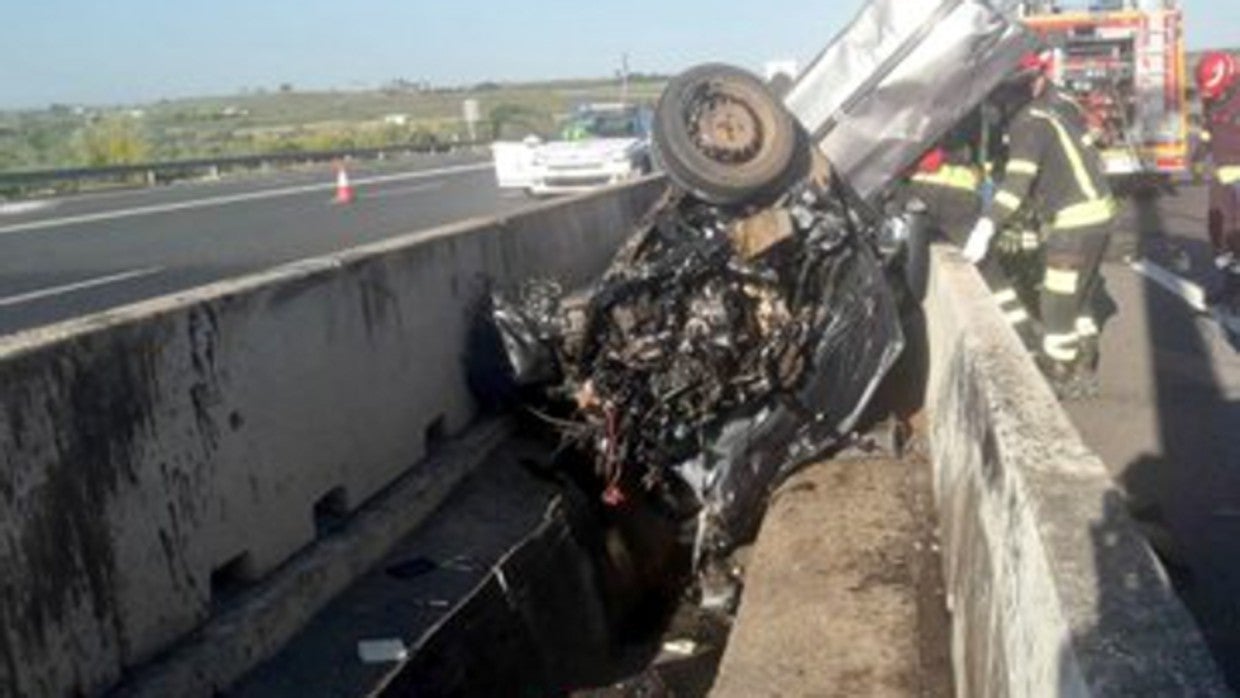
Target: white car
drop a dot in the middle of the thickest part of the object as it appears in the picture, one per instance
(598, 147)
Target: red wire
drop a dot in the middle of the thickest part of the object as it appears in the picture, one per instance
(612, 496)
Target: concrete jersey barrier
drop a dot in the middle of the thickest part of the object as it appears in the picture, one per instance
(1052, 589)
(157, 458)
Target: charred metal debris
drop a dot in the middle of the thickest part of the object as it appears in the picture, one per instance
(739, 332)
(744, 327)
(719, 351)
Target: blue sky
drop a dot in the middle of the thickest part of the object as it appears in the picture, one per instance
(138, 50)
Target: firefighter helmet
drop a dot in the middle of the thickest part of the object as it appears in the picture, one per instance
(1036, 63)
(932, 161)
(1017, 90)
(1215, 73)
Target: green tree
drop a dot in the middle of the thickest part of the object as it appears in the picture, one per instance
(113, 141)
(507, 119)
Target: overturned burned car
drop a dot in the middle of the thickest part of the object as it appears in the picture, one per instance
(719, 350)
(741, 331)
(744, 328)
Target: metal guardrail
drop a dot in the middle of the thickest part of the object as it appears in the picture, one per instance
(157, 171)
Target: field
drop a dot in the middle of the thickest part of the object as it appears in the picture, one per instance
(289, 120)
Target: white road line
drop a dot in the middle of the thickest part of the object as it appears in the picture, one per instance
(1191, 293)
(233, 198)
(19, 207)
(78, 286)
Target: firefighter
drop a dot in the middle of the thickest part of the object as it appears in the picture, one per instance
(1052, 173)
(1218, 79)
(948, 181)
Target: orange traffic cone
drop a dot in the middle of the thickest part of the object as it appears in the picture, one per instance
(344, 190)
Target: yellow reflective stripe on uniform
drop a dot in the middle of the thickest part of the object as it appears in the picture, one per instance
(1061, 347)
(1005, 296)
(1062, 281)
(1083, 180)
(954, 176)
(1086, 327)
(1030, 240)
(1016, 317)
(1086, 214)
(1008, 200)
(1025, 167)
(1009, 304)
(1228, 175)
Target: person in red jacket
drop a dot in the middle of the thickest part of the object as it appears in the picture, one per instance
(1218, 79)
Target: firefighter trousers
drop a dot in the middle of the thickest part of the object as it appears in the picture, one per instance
(1071, 280)
(1007, 294)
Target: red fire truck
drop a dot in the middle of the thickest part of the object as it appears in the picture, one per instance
(1125, 63)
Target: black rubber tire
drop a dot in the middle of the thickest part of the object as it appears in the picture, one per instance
(764, 173)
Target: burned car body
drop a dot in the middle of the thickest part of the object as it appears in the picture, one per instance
(718, 352)
(741, 331)
(744, 328)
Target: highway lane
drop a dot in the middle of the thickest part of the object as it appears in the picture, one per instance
(240, 182)
(1167, 420)
(94, 252)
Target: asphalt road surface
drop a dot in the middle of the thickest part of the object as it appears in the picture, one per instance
(1167, 423)
(67, 257)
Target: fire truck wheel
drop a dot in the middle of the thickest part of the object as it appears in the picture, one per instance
(721, 135)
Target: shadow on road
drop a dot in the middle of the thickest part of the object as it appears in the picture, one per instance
(1182, 494)
(1134, 647)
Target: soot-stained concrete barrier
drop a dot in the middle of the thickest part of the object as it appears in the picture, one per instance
(1052, 589)
(158, 459)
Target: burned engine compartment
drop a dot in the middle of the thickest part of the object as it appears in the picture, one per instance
(746, 324)
(717, 352)
(722, 348)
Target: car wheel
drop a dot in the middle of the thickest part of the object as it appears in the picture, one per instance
(721, 135)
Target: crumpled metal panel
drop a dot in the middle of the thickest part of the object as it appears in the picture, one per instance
(704, 363)
(898, 78)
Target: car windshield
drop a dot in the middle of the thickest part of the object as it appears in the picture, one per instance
(601, 125)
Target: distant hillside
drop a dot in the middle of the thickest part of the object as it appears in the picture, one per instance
(287, 119)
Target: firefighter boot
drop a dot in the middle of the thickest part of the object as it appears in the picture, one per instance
(1072, 381)
(1086, 382)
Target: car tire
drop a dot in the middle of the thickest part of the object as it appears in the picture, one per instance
(721, 135)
